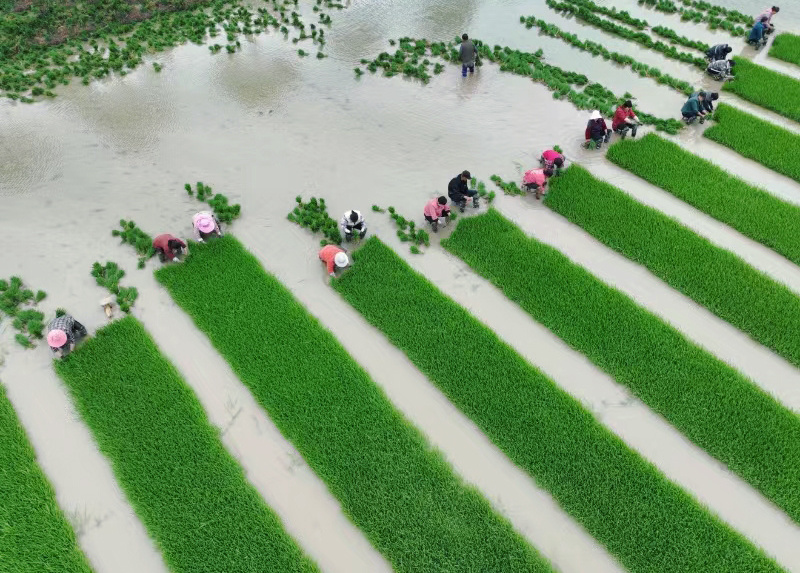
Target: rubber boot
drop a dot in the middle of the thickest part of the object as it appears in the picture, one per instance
(702, 120)
(475, 202)
(462, 205)
(435, 226)
(633, 130)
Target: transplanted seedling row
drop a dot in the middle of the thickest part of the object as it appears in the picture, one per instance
(36, 536)
(707, 400)
(189, 492)
(647, 522)
(762, 141)
(748, 209)
(224, 211)
(786, 47)
(390, 482)
(18, 303)
(715, 278)
(700, 11)
(766, 88)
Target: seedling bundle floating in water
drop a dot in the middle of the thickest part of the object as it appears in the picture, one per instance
(314, 216)
(17, 302)
(138, 239)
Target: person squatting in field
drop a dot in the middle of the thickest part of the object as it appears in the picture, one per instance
(769, 27)
(552, 159)
(458, 190)
(718, 52)
(353, 224)
(758, 35)
(708, 100)
(596, 130)
(721, 70)
(625, 119)
(437, 213)
(334, 257)
(536, 180)
(206, 225)
(169, 247)
(62, 334)
(467, 53)
(694, 108)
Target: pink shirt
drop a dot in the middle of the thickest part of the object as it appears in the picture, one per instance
(535, 176)
(768, 13)
(327, 254)
(434, 210)
(551, 155)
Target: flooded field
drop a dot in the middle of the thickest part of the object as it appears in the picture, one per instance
(263, 126)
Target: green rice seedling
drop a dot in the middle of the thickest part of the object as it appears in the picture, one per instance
(60, 312)
(108, 275)
(766, 88)
(415, 250)
(378, 209)
(786, 47)
(717, 408)
(314, 216)
(359, 72)
(509, 188)
(713, 277)
(129, 394)
(138, 239)
(394, 486)
(757, 139)
(748, 209)
(418, 237)
(35, 530)
(40, 296)
(157, 67)
(644, 520)
(188, 188)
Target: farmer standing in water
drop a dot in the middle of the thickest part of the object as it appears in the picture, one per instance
(466, 52)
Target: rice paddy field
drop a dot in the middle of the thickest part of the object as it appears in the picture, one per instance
(604, 380)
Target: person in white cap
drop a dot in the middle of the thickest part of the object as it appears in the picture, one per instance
(597, 130)
(206, 225)
(352, 223)
(62, 334)
(334, 258)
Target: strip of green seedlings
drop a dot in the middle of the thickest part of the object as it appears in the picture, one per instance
(786, 47)
(314, 216)
(707, 400)
(757, 139)
(189, 492)
(392, 484)
(638, 37)
(108, 276)
(413, 59)
(621, 16)
(715, 278)
(18, 302)
(766, 88)
(36, 535)
(138, 239)
(509, 188)
(647, 522)
(217, 201)
(748, 209)
(716, 17)
(46, 43)
(408, 233)
(598, 49)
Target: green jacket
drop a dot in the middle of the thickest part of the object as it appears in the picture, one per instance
(692, 105)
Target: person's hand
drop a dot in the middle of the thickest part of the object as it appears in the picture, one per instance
(200, 241)
(332, 274)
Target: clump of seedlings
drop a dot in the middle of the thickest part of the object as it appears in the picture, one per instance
(138, 239)
(509, 188)
(314, 216)
(407, 232)
(218, 202)
(716, 17)
(480, 187)
(18, 302)
(612, 12)
(108, 276)
(378, 209)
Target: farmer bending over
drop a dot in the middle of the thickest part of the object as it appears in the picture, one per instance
(718, 52)
(597, 130)
(436, 211)
(459, 191)
(768, 14)
(334, 258)
(552, 159)
(62, 334)
(168, 247)
(466, 51)
(536, 180)
(721, 70)
(625, 119)
(708, 100)
(206, 225)
(352, 223)
(694, 108)
(757, 37)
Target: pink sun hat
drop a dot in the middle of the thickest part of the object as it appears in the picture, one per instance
(205, 224)
(56, 338)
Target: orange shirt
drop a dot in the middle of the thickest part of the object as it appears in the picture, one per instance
(327, 254)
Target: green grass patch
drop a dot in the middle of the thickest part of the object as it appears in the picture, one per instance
(786, 47)
(757, 139)
(750, 210)
(766, 88)
(188, 491)
(36, 537)
(707, 400)
(647, 522)
(717, 279)
(393, 485)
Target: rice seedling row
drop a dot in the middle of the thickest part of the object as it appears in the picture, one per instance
(314, 216)
(713, 277)
(36, 536)
(108, 277)
(407, 232)
(191, 495)
(716, 17)
(644, 520)
(766, 88)
(786, 47)
(752, 211)
(131, 234)
(218, 202)
(772, 146)
(19, 304)
(704, 398)
(392, 484)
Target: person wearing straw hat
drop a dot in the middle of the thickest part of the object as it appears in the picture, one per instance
(334, 258)
(596, 130)
(62, 334)
(205, 225)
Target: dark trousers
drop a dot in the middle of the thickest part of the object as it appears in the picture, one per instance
(78, 330)
(599, 137)
(623, 128)
(458, 197)
(465, 67)
(430, 219)
(162, 256)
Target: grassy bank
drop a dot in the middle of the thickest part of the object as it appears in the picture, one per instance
(35, 537)
(188, 491)
(750, 210)
(786, 47)
(707, 400)
(766, 88)
(715, 278)
(647, 522)
(399, 491)
(756, 139)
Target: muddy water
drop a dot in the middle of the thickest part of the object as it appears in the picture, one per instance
(263, 126)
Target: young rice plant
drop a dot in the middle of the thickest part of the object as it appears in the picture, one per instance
(766, 88)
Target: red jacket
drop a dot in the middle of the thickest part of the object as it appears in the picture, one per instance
(621, 115)
(162, 242)
(598, 126)
(327, 254)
